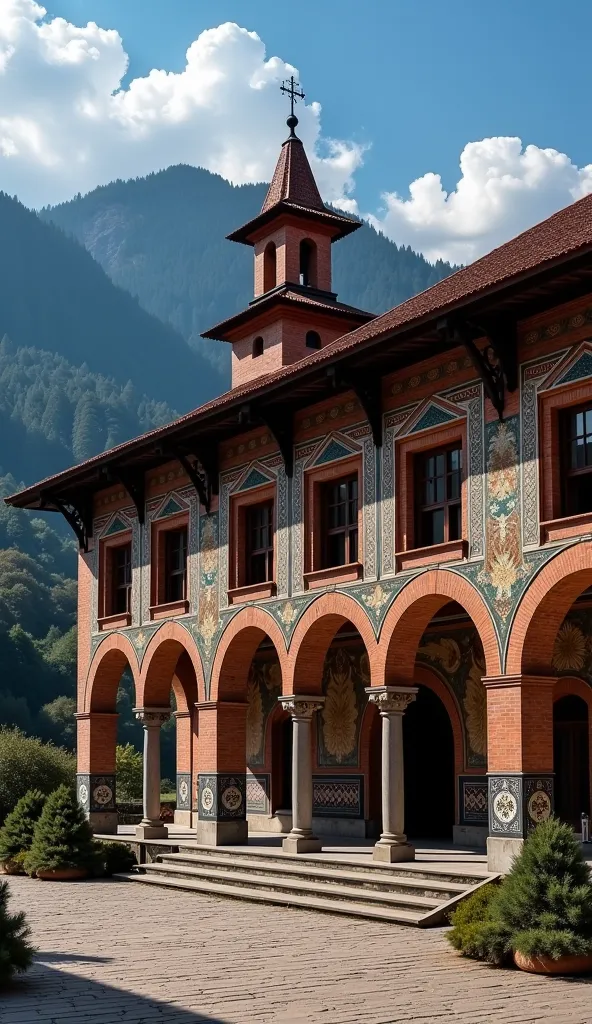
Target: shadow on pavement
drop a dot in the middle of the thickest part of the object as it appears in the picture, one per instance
(59, 997)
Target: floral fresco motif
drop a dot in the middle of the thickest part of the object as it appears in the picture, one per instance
(504, 565)
(208, 619)
(264, 686)
(571, 648)
(459, 661)
(346, 675)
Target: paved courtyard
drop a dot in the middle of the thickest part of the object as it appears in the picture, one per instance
(114, 952)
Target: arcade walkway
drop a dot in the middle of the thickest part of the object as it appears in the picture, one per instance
(118, 954)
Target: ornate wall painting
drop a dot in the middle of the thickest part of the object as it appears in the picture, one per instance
(345, 677)
(207, 626)
(264, 686)
(572, 653)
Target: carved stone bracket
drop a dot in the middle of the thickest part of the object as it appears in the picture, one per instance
(152, 716)
(301, 707)
(392, 700)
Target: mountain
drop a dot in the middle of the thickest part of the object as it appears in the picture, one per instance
(163, 239)
(55, 297)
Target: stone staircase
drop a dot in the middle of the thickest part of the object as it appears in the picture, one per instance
(419, 894)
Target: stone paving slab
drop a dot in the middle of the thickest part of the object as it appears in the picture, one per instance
(116, 953)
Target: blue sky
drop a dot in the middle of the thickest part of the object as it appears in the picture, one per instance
(417, 79)
(406, 88)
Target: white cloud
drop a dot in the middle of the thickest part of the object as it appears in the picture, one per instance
(67, 125)
(503, 189)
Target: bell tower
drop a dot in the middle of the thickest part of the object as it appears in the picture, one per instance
(294, 311)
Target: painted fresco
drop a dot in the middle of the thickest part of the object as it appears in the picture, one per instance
(458, 659)
(346, 675)
(264, 686)
(208, 619)
(572, 654)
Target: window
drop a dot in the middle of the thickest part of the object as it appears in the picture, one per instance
(438, 478)
(313, 340)
(257, 347)
(269, 267)
(121, 579)
(175, 565)
(577, 460)
(308, 263)
(340, 512)
(259, 543)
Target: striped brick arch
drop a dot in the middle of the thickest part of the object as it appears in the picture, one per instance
(171, 661)
(114, 655)
(411, 613)
(239, 642)
(313, 636)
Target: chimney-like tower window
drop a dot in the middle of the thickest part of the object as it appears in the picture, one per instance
(308, 263)
(269, 267)
(257, 347)
(313, 340)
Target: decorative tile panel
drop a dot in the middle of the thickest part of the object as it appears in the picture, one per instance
(334, 450)
(96, 792)
(253, 479)
(298, 526)
(221, 797)
(505, 806)
(282, 534)
(117, 525)
(434, 416)
(369, 508)
(472, 799)
(538, 801)
(183, 791)
(581, 368)
(258, 793)
(533, 377)
(338, 796)
(387, 509)
(170, 508)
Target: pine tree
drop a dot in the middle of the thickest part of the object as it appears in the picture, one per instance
(16, 834)
(62, 837)
(86, 432)
(16, 953)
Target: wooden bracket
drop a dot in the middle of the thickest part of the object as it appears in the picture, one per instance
(497, 363)
(198, 476)
(79, 516)
(367, 388)
(282, 428)
(135, 486)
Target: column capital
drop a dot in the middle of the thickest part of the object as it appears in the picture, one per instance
(152, 716)
(392, 700)
(517, 681)
(301, 706)
(85, 716)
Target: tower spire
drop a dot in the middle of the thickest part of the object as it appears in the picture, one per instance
(292, 89)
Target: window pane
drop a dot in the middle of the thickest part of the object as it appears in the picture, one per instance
(454, 522)
(335, 549)
(353, 545)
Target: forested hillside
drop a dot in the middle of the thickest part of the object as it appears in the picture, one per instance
(163, 239)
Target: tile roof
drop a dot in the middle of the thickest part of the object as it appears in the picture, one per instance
(293, 180)
(281, 296)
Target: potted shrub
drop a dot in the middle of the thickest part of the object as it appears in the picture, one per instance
(63, 848)
(16, 835)
(541, 915)
(16, 953)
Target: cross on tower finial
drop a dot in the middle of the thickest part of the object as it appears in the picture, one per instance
(293, 90)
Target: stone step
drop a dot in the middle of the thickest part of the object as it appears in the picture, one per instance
(272, 882)
(341, 873)
(258, 895)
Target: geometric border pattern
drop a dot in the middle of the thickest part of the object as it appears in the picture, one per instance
(340, 796)
(472, 802)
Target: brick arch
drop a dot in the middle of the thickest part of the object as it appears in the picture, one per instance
(543, 608)
(314, 634)
(412, 611)
(113, 656)
(172, 660)
(573, 686)
(236, 650)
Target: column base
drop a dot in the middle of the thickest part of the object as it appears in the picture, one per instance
(301, 844)
(392, 853)
(183, 818)
(103, 822)
(152, 832)
(501, 853)
(222, 833)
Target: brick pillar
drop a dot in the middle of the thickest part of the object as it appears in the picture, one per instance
(221, 816)
(95, 779)
(519, 761)
(184, 730)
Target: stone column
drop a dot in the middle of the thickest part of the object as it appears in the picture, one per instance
(392, 702)
(152, 719)
(301, 838)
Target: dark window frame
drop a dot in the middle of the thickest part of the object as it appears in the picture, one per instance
(452, 530)
(175, 565)
(259, 550)
(570, 474)
(121, 573)
(349, 529)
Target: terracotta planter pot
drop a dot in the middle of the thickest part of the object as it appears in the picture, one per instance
(11, 867)
(546, 964)
(62, 874)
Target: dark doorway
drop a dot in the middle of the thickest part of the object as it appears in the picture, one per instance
(571, 759)
(374, 827)
(429, 768)
(281, 746)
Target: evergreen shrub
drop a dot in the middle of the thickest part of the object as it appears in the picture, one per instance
(16, 953)
(129, 766)
(16, 834)
(27, 763)
(62, 837)
(113, 858)
(543, 907)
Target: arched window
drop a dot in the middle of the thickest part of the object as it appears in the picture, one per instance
(313, 340)
(257, 347)
(308, 263)
(269, 267)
